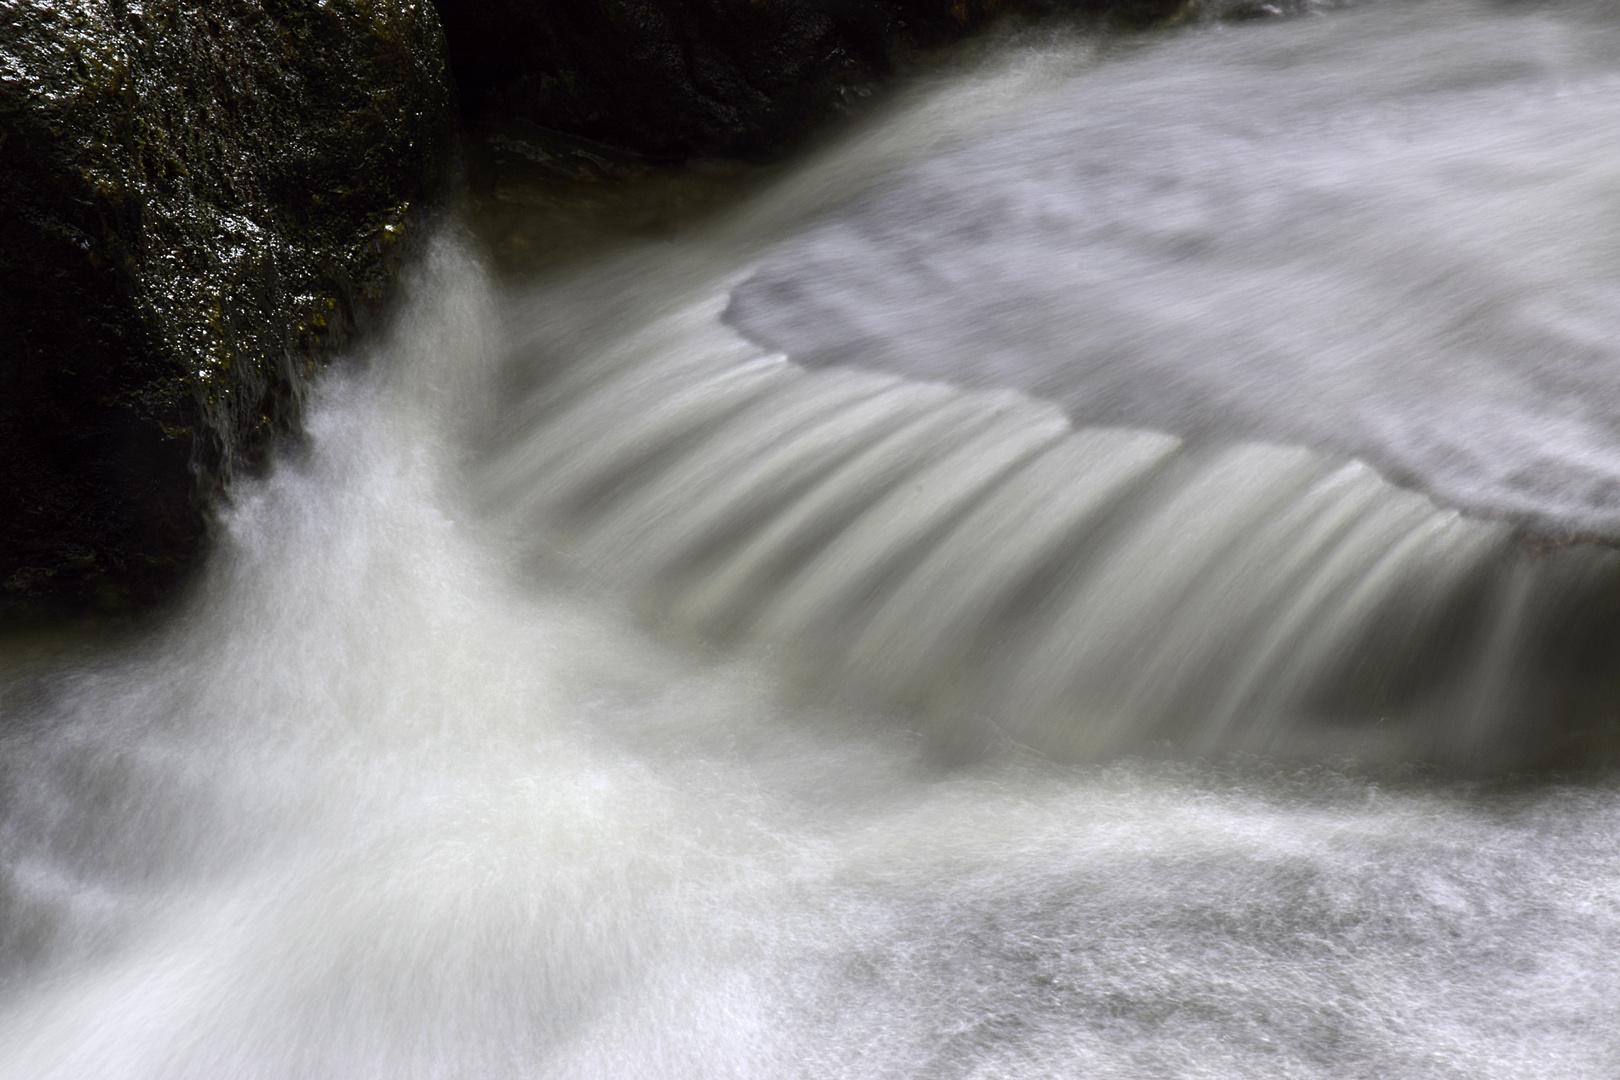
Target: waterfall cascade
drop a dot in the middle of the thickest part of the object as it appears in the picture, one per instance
(815, 645)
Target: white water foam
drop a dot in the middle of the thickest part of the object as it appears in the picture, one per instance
(1390, 233)
(411, 788)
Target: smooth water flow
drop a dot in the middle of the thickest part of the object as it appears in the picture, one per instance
(1050, 588)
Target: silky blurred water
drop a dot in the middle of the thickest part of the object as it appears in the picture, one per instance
(600, 692)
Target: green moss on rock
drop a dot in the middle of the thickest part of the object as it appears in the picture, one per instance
(199, 200)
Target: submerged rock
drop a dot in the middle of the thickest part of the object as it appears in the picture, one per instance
(1142, 254)
(199, 200)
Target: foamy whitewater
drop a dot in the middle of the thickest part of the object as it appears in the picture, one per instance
(1074, 579)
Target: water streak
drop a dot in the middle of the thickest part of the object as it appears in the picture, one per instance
(602, 692)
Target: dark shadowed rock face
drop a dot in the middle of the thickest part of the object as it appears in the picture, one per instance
(199, 199)
(732, 78)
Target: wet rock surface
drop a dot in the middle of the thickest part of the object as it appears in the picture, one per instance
(728, 78)
(201, 201)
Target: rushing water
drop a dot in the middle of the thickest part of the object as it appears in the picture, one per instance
(1042, 590)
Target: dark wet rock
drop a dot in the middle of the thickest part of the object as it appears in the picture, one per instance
(197, 201)
(730, 78)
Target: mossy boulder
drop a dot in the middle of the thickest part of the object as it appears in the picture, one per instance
(197, 202)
